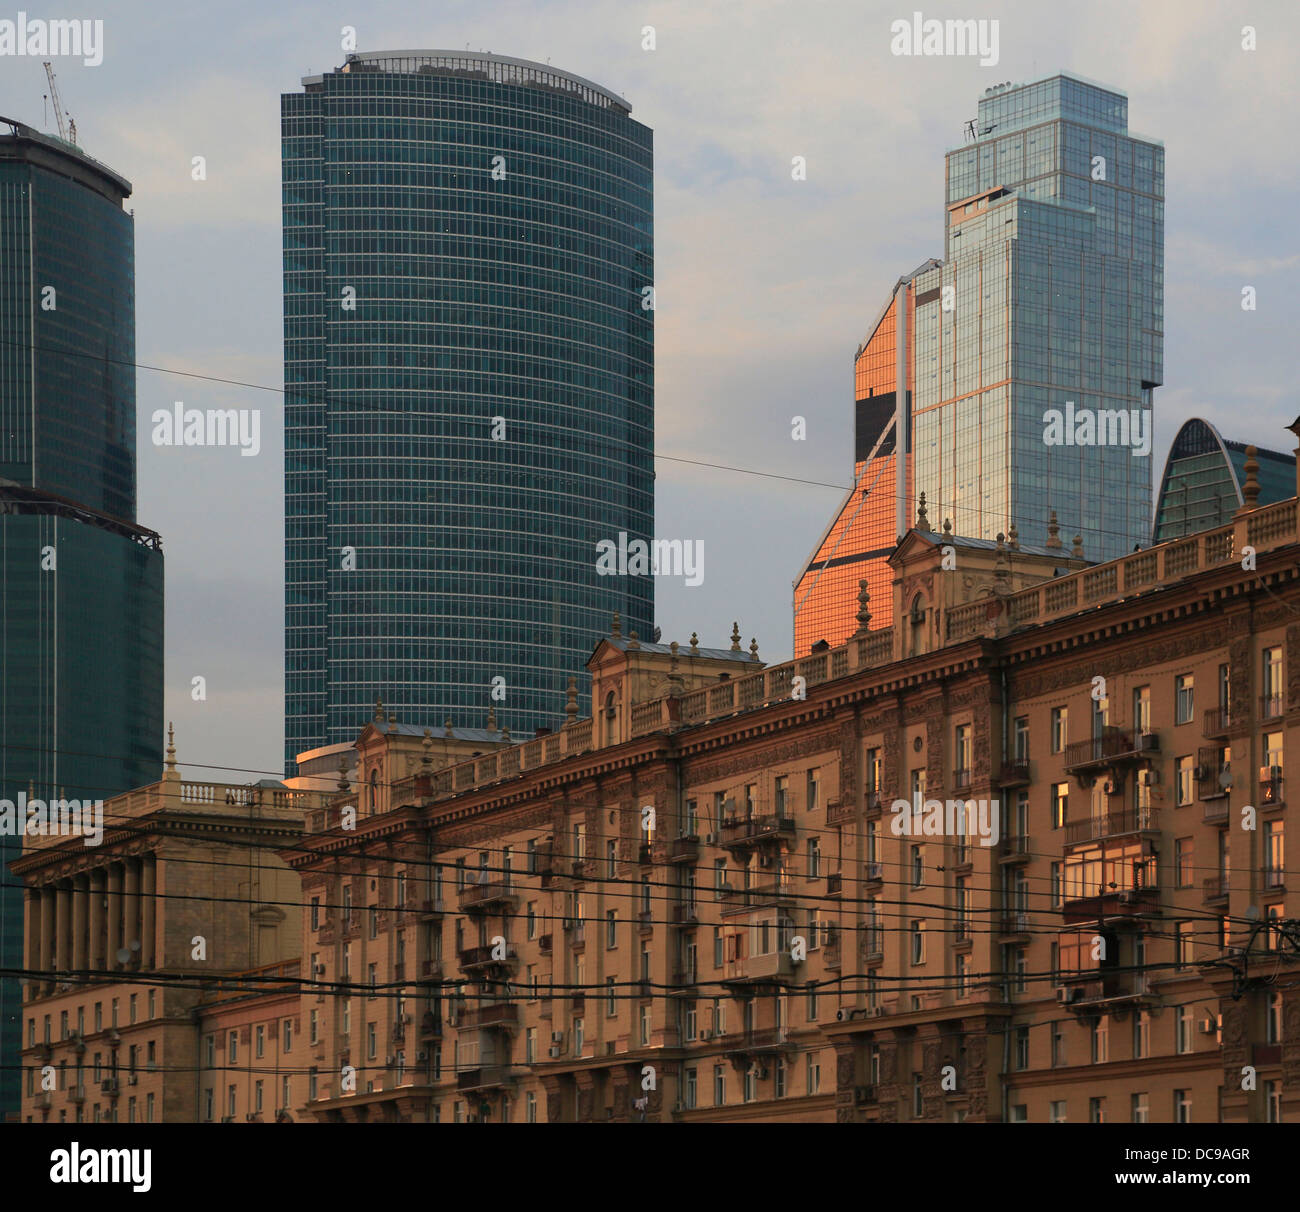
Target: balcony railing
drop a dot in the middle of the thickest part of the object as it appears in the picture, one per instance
(754, 830)
(1015, 848)
(1014, 921)
(1014, 774)
(774, 966)
(1216, 723)
(477, 896)
(1113, 745)
(496, 1014)
(839, 811)
(487, 1077)
(684, 849)
(1271, 706)
(484, 957)
(1112, 824)
(1215, 888)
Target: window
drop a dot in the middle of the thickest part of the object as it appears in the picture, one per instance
(288, 1034)
(1060, 804)
(232, 1048)
(779, 1079)
(259, 1040)
(1141, 1034)
(1184, 698)
(918, 1100)
(611, 999)
(1186, 773)
(530, 1108)
(1271, 706)
(918, 866)
(611, 859)
(1142, 709)
(813, 1073)
(1182, 1031)
(1096, 1110)
(1019, 1113)
(1273, 1101)
(1022, 1047)
(1274, 1019)
(811, 791)
(782, 790)
(611, 929)
(645, 1026)
(1057, 886)
(313, 1036)
(874, 770)
(962, 755)
(692, 1089)
(1022, 738)
(1100, 1039)
(1060, 729)
(578, 1026)
(1058, 1044)
(918, 941)
(1183, 943)
(372, 1041)
(1182, 1107)
(814, 858)
(1274, 854)
(692, 819)
(1183, 861)
(719, 1086)
(1056, 1112)
(210, 1048)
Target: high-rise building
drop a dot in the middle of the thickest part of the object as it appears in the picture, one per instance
(81, 584)
(468, 296)
(1203, 480)
(1031, 351)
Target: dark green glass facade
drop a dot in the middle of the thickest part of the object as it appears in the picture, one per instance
(81, 585)
(469, 387)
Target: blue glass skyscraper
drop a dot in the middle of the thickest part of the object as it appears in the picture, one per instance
(81, 584)
(1050, 298)
(468, 261)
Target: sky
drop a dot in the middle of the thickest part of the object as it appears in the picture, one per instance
(765, 285)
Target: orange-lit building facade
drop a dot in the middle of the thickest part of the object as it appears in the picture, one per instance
(876, 512)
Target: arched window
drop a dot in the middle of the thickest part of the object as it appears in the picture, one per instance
(916, 620)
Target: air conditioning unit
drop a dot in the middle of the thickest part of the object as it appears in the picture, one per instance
(557, 1037)
(421, 1057)
(1111, 787)
(1208, 1026)
(1067, 994)
(567, 924)
(705, 1036)
(132, 1079)
(1148, 778)
(554, 1053)
(710, 839)
(250, 1117)
(1128, 897)
(878, 1011)
(765, 860)
(1200, 773)
(841, 1015)
(1151, 742)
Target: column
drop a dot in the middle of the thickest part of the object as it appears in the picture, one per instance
(113, 941)
(148, 890)
(32, 957)
(98, 895)
(80, 920)
(47, 934)
(63, 927)
(131, 908)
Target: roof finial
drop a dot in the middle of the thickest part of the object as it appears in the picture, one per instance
(343, 772)
(492, 718)
(1013, 538)
(1076, 552)
(695, 644)
(735, 637)
(379, 710)
(947, 528)
(1053, 533)
(1250, 489)
(922, 520)
(505, 732)
(427, 746)
(864, 609)
(753, 648)
(571, 701)
(616, 626)
(171, 747)
(446, 727)
(632, 641)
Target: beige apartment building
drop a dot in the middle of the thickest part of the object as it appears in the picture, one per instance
(744, 893)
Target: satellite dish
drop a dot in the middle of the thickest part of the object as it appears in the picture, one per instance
(1225, 778)
(1251, 913)
(123, 956)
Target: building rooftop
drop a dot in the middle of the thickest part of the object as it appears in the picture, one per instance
(57, 155)
(500, 69)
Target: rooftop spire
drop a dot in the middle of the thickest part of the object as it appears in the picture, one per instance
(922, 518)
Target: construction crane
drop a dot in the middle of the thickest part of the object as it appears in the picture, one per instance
(68, 129)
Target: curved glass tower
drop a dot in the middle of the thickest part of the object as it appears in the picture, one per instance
(81, 584)
(468, 251)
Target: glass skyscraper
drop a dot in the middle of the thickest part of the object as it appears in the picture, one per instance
(1049, 300)
(468, 277)
(81, 584)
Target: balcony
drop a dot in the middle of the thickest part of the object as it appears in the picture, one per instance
(874, 873)
(1215, 811)
(839, 811)
(429, 910)
(504, 1015)
(770, 1041)
(1216, 724)
(575, 932)
(430, 1026)
(482, 959)
(776, 967)
(874, 803)
(1014, 924)
(684, 982)
(771, 892)
(1140, 900)
(685, 914)
(1015, 849)
(741, 833)
(645, 854)
(483, 897)
(1121, 990)
(546, 944)
(1112, 824)
(1213, 774)
(1014, 774)
(832, 955)
(873, 944)
(1215, 890)
(1115, 747)
(834, 884)
(684, 850)
(487, 1077)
